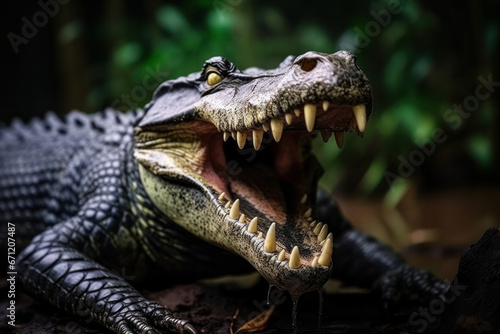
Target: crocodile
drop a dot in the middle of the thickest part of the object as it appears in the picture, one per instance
(214, 176)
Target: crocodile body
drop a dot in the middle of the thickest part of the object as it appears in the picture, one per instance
(147, 194)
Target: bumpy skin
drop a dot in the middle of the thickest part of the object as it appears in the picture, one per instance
(73, 186)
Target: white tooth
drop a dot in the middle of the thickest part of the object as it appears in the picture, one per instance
(288, 118)
(326, 255)
(270, 242)
(310, 116)
(323, 233)
(326, 104)
(241, 137)
(312, 224)
(294, 258)
(318, 228)
(226, 135)
(265, 126)
(228, 205)
(309, 219)
(243, 218)
(303, 199)
(233, 134)
(281, 257)
(330, 236)
(277, 129)
(252, 227)
(222, 196)
(307, 214)
(235, 210)
(315, 264)
(326, 135)
(257, 138)
(339, 138)
(260, 236)
(296, 112)
(360, 115)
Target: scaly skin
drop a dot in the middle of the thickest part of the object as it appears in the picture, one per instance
(139, 194)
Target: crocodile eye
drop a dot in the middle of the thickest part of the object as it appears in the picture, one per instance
(213, 78)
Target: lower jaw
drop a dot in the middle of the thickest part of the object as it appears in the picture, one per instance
(278, 273)
(295, 281)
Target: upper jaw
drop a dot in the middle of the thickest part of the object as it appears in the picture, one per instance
(333, 97)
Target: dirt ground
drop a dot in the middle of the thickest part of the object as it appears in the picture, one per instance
(219, 309)
(430, 231)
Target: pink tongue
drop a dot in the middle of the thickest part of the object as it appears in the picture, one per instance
(260, 186)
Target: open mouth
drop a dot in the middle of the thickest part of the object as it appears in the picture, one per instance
(245, 159)
(273, 194)
(263, 181)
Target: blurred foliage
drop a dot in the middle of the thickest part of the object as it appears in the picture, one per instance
(421, 57)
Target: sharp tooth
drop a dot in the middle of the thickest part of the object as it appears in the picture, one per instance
(315, 264)
(307, 214)
(235, 210)
(222, 196)
(296, 112)
(270, 242)
(310, 219)
(252, 227)
(312, 224)
(228, 205)
(233, 134)
(303, 199)
(317, 229)
(243, 219)
(288, 118)
(360, 115)
(294, 258)
(260, 236)
(281, 257)
(310, 116)
(257, 138)
(326, 135)
(226, 136)
(339, 138)
(265, 127)
(241, 137)
(326, 255)
(330, 236)
(323, 233)
(326, 104)
(277, 129)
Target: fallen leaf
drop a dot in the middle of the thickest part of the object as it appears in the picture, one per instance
(258, 323)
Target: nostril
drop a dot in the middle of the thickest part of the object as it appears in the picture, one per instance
(308, 64)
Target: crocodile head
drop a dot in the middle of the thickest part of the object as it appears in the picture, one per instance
(226, 154)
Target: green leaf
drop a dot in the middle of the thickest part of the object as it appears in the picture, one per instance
(481, 150)
(172, 20)
(128, 54)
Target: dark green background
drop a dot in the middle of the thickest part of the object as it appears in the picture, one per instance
(422, 59)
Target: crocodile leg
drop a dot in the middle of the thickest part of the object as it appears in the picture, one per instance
(53, 267)
(363, 261)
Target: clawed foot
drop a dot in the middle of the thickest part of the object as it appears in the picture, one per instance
(150, 317)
